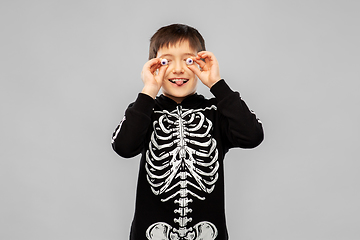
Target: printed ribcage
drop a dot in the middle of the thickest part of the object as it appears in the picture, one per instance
(182, 156)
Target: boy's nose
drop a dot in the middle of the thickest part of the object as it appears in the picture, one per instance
(176, 71)
(178, 68)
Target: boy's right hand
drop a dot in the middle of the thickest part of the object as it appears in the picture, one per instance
(152, 78)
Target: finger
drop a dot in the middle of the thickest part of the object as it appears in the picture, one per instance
(195, 70)
(162, 71)
(154, 67)
(205, 60)
(153, 64)
(203, 55)
(200, 62)
(207, 56)
(202, 52)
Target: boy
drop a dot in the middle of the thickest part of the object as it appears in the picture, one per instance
(183, 138)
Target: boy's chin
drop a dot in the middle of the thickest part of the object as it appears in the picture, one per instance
(178, 97)
(178, 94)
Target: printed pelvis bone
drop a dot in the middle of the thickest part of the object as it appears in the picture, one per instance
(163, 231)
(182, 162)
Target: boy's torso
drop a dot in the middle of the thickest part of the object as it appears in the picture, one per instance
(180, 191)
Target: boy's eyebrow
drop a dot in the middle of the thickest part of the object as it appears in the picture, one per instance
(170, 55)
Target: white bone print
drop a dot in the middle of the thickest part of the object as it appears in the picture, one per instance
(182, 164)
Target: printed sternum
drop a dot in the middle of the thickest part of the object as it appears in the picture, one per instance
(183, 200)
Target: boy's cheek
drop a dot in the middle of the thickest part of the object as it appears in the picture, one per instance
(166, 75)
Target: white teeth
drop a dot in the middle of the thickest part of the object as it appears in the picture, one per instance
(175, 80)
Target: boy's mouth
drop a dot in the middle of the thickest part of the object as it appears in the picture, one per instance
(178, 81)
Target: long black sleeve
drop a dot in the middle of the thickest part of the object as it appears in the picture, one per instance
(129, 136)
(239, 125)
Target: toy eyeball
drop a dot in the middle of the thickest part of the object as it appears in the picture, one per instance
(189, 61)
(164, 62)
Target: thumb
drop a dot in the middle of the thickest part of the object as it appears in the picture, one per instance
(162, 71)
(195, 69)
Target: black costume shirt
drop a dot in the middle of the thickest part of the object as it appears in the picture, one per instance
(180, 191)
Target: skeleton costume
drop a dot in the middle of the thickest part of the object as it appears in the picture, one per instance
(180, 192)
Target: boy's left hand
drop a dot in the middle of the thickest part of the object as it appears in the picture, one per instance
(209, 73)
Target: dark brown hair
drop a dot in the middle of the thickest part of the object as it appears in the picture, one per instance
(172, 34)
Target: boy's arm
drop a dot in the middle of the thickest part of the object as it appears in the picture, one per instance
(129, 136)
(238, 123)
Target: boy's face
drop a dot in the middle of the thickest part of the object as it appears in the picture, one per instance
(179, 81)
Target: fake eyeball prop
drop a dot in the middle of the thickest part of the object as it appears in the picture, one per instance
(164, 62)
(189, 61)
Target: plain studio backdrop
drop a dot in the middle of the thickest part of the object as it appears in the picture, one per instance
(69, 69)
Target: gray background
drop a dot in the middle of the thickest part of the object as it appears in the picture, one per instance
(70, 68)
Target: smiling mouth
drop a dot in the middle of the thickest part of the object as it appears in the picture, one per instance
(179, 81)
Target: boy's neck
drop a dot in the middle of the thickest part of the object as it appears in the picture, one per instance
(178, 100)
